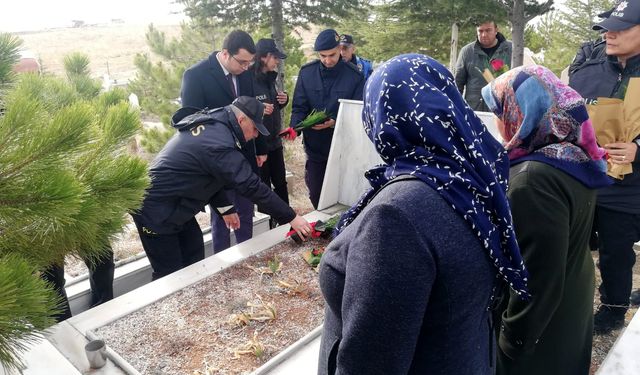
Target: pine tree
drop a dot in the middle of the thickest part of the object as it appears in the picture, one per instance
(520, 13)
(66, 183)
(76, 66)
(9, 47)
(276, 14)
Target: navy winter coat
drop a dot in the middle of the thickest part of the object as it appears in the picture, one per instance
(195, 167)
(407, 286)
(320, 88)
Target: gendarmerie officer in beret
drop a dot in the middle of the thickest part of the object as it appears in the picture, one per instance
(319, 86)
(196, 166)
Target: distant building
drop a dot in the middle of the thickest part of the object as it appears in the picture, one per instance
(28, 63)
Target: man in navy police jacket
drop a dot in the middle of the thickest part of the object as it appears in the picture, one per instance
(194, 168)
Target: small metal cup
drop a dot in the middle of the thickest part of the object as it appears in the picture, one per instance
(96, 351)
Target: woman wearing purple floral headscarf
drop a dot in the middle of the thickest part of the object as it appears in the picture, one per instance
(410, 277)
(556, 166)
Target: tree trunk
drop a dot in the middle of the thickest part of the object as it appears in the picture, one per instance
(453, 56)
(277, 33)
(517, 33)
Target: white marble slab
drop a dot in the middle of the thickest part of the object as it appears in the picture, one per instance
(489, 120)
(351, 154)
(299, 359)
(43, 358)
(624, 357)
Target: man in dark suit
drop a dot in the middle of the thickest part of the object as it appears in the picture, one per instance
(213, 83)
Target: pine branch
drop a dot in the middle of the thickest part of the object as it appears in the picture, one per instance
(26, 308)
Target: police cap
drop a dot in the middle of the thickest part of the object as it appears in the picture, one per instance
(625, 15)
(254, 109)
(346, 40)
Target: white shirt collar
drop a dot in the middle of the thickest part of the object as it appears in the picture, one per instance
(224, 70)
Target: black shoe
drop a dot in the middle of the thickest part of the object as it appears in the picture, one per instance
(606, 320)
(634, 299)
(273, 223)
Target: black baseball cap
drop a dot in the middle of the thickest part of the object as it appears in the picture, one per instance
(265, 46)
(346, 39)
(623, 16)
(254, 109)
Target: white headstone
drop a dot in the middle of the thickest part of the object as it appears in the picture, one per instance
(352, 154)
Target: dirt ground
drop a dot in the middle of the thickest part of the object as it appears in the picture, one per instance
(111, 48)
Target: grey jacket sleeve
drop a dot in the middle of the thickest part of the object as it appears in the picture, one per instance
(460, 71)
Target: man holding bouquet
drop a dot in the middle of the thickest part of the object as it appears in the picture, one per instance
(319, 86)
(606, 73)
(480, 61)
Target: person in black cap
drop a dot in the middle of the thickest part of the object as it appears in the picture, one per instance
(194, 168)
(319, 86)
(272, 171)
(347, 51)
(215, 82)
(606, 74)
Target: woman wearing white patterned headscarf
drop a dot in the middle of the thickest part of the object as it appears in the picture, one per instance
(409, 279)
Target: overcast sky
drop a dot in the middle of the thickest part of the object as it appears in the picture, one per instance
(26, 15)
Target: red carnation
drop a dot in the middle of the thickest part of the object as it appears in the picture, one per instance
(318, 251)
(496, 64)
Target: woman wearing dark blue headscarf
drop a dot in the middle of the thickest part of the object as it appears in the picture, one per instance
(410, 278)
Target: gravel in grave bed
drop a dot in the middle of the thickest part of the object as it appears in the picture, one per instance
(199, 329)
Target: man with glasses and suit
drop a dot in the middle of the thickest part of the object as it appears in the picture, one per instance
(214, 83)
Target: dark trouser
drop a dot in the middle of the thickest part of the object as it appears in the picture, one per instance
(100, 280)
(219, 231)
(273, 173)
(168, 253)
(54, 275)
(617, 232)
(313, 177)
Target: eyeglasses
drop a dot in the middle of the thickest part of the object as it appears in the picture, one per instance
(244, 64)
